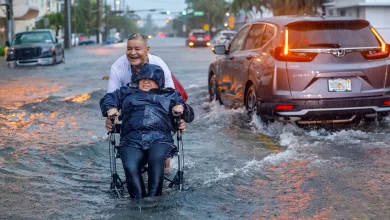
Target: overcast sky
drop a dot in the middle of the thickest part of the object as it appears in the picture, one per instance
(159, 19)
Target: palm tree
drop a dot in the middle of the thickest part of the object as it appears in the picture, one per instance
(278, 7)
(251, 7)
(296, 7)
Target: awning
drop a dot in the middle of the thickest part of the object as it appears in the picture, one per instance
(21, 12)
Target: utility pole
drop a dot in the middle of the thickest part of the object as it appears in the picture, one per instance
(68, 26)
(98, 21)
(105, 20)
(209, 21)
(10, 19)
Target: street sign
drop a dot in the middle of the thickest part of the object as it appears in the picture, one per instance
(206, 27)
(198, 13)
(213, 29)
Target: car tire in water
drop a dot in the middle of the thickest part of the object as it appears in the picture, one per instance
(251, 104)
(213, 89)
(251, 101)
(54, 60)
(63, 57)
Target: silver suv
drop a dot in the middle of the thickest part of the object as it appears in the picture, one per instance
(304, 69)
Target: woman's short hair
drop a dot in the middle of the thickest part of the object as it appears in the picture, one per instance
(138, 36)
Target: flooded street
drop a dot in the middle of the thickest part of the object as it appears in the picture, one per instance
(54, 159)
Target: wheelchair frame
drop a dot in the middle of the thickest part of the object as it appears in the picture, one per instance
(117, 184)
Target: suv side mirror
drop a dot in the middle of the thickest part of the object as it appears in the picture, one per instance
(7, 44)
(219, 49)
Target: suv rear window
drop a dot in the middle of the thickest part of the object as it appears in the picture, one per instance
(198, 34)
(229, 34)
(331, 34)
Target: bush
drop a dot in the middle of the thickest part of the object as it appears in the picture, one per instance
(1, 51)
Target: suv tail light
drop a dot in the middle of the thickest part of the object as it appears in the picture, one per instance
(383, 52)
(284, 107)
(207, 38)
(282, 53)
(193, 38)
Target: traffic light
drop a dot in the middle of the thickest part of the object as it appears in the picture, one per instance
(184, 13)
(231, 22)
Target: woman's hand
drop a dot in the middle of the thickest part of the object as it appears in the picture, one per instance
(177, 110)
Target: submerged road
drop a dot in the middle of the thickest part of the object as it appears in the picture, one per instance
(54, 161)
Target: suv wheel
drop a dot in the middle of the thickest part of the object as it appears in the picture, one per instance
(251, 101)
(213, 89)
(251, 105)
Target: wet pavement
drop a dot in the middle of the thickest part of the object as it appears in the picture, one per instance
(54, 160)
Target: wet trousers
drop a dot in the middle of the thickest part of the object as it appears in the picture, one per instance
(134, 159)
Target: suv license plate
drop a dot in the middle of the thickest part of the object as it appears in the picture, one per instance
(339, 85)
(200, 38)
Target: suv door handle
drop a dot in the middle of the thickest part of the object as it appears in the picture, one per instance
(249, 57)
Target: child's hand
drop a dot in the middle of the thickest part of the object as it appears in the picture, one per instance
(112, 118)
(177, 110)
(112, 112)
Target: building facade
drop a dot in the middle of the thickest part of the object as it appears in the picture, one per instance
(44, 7)
(377, 12)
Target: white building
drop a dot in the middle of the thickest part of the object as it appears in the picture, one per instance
(377, 12)
(44, 7)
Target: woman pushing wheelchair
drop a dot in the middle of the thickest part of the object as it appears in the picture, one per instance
(147, 110)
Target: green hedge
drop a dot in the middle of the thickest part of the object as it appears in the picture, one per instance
(1, 51)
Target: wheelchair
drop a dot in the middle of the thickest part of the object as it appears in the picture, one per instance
(117, 184)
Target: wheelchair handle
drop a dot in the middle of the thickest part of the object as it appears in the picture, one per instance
(178, 122)
(113, 127)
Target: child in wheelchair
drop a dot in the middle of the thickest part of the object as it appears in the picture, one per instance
(147, 111)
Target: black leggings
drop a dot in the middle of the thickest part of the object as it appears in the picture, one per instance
(134, 159)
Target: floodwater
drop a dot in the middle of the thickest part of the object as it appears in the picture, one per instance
(54, 161)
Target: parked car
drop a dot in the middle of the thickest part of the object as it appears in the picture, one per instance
(198, 37)
(224, 37)
(35, 47)
(305, 69)
(84, 39)
(113, 40)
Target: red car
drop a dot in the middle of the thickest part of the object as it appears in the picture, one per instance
(198, 37)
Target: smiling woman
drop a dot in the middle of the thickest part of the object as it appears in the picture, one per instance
(137, 50)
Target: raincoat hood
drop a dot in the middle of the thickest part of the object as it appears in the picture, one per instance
(153, 72)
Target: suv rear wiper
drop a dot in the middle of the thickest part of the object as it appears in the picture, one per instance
(325, 45)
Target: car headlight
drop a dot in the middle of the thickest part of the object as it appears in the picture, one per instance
(47, 49)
